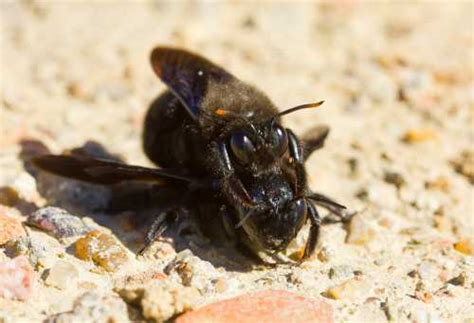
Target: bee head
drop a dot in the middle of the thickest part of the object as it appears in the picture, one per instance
(251, 146)
(278, 218)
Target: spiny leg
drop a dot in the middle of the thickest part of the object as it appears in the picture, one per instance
(339, 210)
(160, 224)
(231, 184)
(279, 259)
(313, 231)
(344, 218)
(296, 152)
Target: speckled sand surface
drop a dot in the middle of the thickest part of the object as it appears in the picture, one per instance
(398, 84)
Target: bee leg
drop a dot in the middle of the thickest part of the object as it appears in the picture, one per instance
(313, 231)
(314, 139)
(230, 183)
(278, 259)
(340, 211)
(294, 146)
(344, 218)
(159, 225)
(296, 152)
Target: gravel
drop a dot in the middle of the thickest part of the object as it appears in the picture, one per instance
(397, 82)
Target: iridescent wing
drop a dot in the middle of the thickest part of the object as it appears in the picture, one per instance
(187, 75)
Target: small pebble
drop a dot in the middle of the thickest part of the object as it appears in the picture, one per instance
(440, 183)
(394, 178)
(160, 301)
(459, 280)
(25, 185)
(326, 254)
(421, 292)
(302, 278)
(448, 77)
(413, 273)
(10, 229)
(62, 275)
(355, 288)
(465, 246)
(37, 252)
(58, 223)
(93, 307)
(102, 249)
(418, 135)
(76, 90)
(354, 166)
(265, 306)
(193, 271)
(139, 278)
(16, 279)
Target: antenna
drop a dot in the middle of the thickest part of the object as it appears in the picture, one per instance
(299, 107)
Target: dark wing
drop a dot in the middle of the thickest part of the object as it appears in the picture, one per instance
(100, 171)
(187, 75)
(314, 139)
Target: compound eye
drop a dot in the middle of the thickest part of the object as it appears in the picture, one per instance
(242, 147)
(297, 211)
(299, 207)
(279, 141)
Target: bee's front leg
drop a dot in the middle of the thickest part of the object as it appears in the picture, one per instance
(158, 227)
(230, 183)
(338, 210)
(296, 153)
(313, 231)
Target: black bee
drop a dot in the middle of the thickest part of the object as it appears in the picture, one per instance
(223, 154)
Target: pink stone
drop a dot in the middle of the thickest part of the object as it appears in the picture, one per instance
(10, 229)
(16, 278)
(264, 306)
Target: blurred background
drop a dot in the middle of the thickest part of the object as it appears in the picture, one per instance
(397, 80)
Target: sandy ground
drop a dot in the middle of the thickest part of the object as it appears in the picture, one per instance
(398, 84)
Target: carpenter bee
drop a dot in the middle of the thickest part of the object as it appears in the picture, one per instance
(223, 153)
